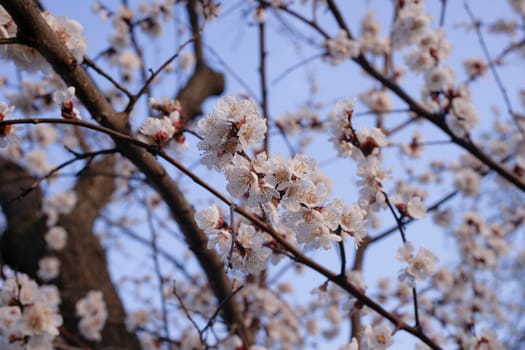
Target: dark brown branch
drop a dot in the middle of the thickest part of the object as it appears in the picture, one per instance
(264, 90)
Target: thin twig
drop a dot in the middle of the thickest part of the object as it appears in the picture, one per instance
(187, 313)
(158, 272)
(221, 305)
(264, 90)
(492, 67)
(154, 74)
(442, 14)
(90, 63)
(78, 156)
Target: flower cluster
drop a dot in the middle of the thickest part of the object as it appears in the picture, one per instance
(29, 314)
(341, 48)
(234, 125)
(410, 24)
(68, 31)
(349, 142)
(169, 126)
(370, 40)
(420, 266)
(432, 48)
(377, 100)
(289, 192)
(481, 244)
(93, 315)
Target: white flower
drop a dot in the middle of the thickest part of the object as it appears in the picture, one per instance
(462, 117)
(475, 67)
(443, 217)
(233, 126)
(29, 314)
(137, 319)
(63, 202)
(301, 192)
(9, 318)
(278, 172)
(354, 345)
(467, 181)
(353, 222)
(416, 209)
(415, 147)
(423, 265)
(379, 337)
(377, 101)
(405, 253)
(7, 132)
(64, 95)
(435, 42)
(370, 141)
(93, 315)
(419, 60)
(221, 239)
(56, 238)
(371, 192)
(240, 176)
(64, 98)
(70, 33)
(370, 27)
(411, 23)
(439, 79)
(341, 48)
(156, 131)
(23, 289)
(40, 318)
(209, 219)
(37, 161)
(310, 227)
(49, 268)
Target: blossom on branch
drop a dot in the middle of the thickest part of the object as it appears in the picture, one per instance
(93, 315)
(7, 134)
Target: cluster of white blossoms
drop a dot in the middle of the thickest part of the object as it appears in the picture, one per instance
(69, 32)
(363, 145)
(432, 47)
(169, 126)
(49, 266)
(377, 100)
(462, 116)
(289, 192)
(370, 39)
(481, 244)
(341, 48)
(29, 314)
(419, 267)
(475, 67)
(410, 24)
(233, 126)
(93, 315)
